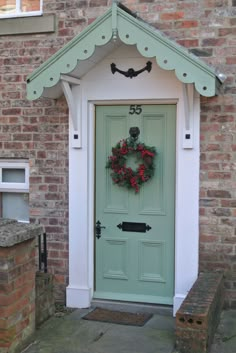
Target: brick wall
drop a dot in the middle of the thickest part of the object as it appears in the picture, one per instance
(44, 297)
(17, 294)
(17, 283)
(39, 130)
(199, 314)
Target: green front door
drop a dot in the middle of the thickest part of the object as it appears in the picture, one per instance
(133, 265)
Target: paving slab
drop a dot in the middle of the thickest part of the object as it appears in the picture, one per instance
(72, 334)
(69, 333)
(225, 337)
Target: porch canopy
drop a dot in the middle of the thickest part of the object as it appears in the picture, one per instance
(117, 26)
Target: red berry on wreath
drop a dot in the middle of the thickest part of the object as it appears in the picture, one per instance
(126, 176)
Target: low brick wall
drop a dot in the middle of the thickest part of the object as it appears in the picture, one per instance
(199, 314)
(44, 301)
(17, 283)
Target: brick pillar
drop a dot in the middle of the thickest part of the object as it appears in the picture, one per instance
(17, 283)
(199, 314)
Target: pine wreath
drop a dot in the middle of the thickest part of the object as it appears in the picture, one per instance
(126, 176)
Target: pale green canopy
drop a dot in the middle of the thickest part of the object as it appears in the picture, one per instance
(119, 25)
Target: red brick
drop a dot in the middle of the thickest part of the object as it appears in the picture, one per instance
(208, 238)
(59, 279)
(52, 188)
(7, 337)
(228, 203)
(227, 31)
(186, 24)
(213, 147)
(219, 175)
(188, 43)
(231, 60)
(41, 154)
(52, 179)
(22, 137)
(57, 245)
(13, 145)
(11, 111)
(98, 3)
(170, 16)
(219, 194)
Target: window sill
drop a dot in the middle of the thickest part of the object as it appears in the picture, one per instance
(20, 14)
(27, 25)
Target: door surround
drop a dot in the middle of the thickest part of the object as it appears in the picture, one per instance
(82, 71)
(162, 87)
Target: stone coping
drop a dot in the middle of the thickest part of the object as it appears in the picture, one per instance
(13, 232)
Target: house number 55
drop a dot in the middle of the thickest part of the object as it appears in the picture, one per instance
(135, 109)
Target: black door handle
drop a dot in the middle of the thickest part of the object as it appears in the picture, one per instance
(98, 229)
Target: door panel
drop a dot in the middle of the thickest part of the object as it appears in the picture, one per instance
(136, 266)
(115, 126)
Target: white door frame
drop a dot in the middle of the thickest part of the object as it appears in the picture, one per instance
(162, 87)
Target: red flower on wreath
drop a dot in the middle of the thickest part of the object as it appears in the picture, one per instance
(126, 176)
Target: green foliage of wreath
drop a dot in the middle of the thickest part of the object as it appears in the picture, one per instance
(126, 176)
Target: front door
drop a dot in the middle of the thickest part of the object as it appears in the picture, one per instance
(130, 264)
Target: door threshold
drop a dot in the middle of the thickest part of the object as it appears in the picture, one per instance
(133, 307)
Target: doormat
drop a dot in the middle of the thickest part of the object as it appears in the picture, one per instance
(118, 317)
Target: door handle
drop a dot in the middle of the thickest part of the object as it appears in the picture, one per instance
(98, 229)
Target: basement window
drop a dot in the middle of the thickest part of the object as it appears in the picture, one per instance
(20, 8)
(14, 190)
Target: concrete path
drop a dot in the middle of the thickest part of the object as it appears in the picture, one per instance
(225, 337)
(71, 334)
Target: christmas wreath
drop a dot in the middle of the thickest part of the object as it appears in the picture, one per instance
(122, 175)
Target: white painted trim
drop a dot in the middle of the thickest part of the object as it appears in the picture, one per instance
(14, 187)
(91, 198)
(74, 109)
(73, 293)
(70, 101)
(187, 209)
(99, 87)
(71, 79)
(22, 14)
(178, 300)
(188, 93)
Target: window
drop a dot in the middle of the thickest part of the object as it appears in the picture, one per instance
(20, 8)
(14, 190)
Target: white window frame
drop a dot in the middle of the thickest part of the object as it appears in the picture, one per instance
(19, 13)
(14, 187)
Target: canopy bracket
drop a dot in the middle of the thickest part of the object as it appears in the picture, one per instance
(188, 93)
(74, 109)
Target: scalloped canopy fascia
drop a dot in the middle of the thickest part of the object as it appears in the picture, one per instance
(117, 25)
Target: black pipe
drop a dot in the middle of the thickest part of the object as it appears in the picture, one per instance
(40, 252)
(45, 255)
